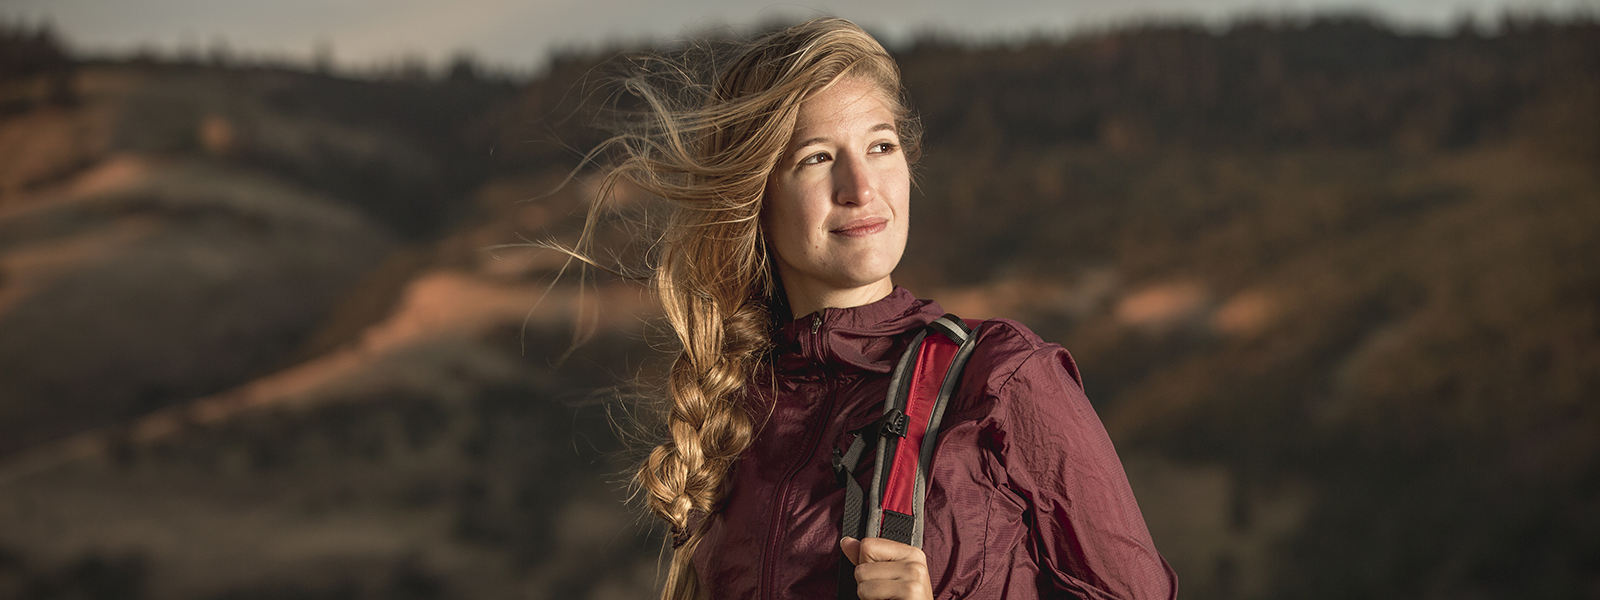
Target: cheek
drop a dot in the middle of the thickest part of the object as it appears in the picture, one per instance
(900, 195)
(782, 220)
(794, 210)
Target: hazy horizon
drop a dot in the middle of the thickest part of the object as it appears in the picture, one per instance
(520, 37)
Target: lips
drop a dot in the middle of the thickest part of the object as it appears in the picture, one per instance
(862, 227)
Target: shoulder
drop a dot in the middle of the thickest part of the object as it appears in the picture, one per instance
(1007, 349)
(1012, 365)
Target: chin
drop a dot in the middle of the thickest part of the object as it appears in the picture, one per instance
(866, 277)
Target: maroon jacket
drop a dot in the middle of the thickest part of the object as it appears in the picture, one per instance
(1027, 499)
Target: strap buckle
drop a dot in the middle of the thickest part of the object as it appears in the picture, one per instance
(896, 423)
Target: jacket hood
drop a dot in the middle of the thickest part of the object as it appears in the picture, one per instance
(863, 337)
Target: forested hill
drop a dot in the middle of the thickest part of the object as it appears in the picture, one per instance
(1331, 82)
(1333, 85)
(1332, 288)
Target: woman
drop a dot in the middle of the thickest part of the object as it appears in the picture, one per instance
(790, 176)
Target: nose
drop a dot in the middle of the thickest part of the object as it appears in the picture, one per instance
(852, 180)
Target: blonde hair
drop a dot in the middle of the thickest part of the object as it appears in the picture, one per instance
(707, 150)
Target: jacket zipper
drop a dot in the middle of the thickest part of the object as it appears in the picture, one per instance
(769, 558)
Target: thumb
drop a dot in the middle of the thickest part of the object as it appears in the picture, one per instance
(851, 548)
(886, 550)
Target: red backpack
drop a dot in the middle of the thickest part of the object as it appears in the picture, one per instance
(928, 373)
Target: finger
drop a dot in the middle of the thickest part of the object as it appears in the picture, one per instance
(894, 590)
(851, 548)
(885, 550)
(899, 570)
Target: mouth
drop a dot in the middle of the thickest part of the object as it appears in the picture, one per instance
(862, 227)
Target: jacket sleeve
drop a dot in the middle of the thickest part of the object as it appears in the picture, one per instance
(1089, 539)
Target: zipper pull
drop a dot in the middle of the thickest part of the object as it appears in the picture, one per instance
(816, 323)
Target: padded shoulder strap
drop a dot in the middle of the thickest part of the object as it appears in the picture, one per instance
(919, 389)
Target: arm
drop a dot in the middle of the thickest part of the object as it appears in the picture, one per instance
(1089, 538)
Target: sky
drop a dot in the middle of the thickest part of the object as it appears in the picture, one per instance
(518, 35)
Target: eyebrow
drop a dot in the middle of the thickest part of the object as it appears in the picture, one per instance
(820, 139)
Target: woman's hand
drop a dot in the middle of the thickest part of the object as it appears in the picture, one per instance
(888, 570)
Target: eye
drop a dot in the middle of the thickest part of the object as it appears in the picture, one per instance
(815, 159)
(884, 147)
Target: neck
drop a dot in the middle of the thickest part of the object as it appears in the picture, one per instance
(804, 302)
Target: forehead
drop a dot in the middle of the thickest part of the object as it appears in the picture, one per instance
(848, 103)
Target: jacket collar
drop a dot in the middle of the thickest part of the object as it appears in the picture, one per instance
(864, 337)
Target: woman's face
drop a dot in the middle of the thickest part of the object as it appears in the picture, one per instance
(836, 211)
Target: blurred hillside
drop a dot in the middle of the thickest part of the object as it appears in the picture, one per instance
(1332, 288)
